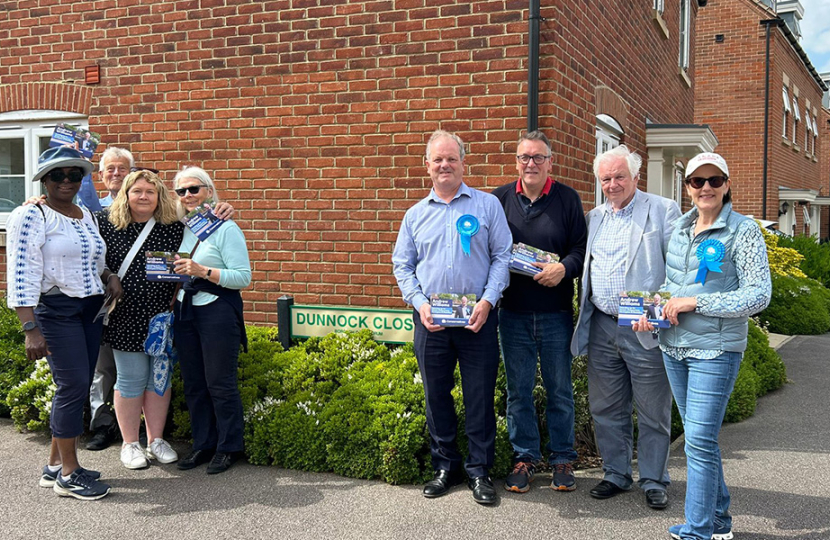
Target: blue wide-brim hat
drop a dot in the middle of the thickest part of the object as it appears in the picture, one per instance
(62, 156)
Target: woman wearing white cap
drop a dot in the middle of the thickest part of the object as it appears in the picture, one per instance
(718, 274)
(57, 284)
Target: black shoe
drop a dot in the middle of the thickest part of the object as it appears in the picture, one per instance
(606, 490)
(441, 483)
(221, 462)
(194, 459)
(103, 437)
(483, 490)
(657, 499)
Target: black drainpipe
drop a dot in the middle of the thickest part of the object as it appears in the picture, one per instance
(769, 23)
(533, 66)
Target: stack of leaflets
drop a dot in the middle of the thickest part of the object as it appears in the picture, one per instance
(160, 266)
(452, 309)
(523, 257)
(202, 221)
(634, 304)
(80, 139)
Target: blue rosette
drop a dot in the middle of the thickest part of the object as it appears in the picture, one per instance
(710, 253)
(467, 226)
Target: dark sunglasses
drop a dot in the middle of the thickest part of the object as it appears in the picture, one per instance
(714, 181)
(193, 190)
(134, 169)
(57, 175)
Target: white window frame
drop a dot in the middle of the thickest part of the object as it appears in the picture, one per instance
(685, 27)
(808, 128)
(796, 119)
(660, 6)
(787, 111)
(31, 127)
(815, 134)
(608, 133)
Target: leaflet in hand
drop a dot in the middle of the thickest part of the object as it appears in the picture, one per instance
(202, 221)
(633, 304)
(80, 139)
(160, 266)
(450, 309)
(523, 257)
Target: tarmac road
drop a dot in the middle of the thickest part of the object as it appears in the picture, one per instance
(777, 466)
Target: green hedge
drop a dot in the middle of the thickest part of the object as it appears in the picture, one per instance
(797, 306)
(816, 263)
(347, 404)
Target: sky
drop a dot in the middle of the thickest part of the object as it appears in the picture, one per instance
(815, 31)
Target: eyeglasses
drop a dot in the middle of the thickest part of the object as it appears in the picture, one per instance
(714, 181)
(148, 169)
(538, 159)
(57, 175)
(193, 190)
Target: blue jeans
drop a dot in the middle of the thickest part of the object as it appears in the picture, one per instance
(528, 338)
(701, 390)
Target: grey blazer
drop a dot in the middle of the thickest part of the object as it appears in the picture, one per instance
(653, 222)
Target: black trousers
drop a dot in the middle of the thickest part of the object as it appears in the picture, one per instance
(73, 337)
(477, 355)
(208, 347)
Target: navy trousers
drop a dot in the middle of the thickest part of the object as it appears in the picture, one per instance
(208, 347)
(477, 355)
(73, 337)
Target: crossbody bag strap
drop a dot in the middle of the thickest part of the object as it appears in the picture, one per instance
(128, 260)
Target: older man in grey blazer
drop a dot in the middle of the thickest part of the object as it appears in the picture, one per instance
(627, 240)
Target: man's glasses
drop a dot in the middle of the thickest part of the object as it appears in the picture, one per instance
(714, 181)
(193, 190)
(57, 175)
(538, 159)
(148, 169)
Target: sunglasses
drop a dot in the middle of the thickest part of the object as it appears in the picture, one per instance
(697, 182)
(193, 190)
(57, 175)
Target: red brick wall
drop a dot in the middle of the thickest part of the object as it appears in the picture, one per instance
(730, 98)
(313, 118)
(824, 164)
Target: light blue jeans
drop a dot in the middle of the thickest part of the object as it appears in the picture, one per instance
(134, 373)
(701, 390)
(527, 338)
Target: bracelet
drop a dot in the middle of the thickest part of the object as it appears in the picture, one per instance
(110, 277)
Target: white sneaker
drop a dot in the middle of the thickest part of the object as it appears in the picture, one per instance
(159, 449)
(132, 456)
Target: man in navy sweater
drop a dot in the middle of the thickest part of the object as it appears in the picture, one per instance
(536, 315)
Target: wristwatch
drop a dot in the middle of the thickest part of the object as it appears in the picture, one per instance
(208, 272)
(29, 325)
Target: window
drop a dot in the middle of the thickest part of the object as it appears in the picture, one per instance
(609, 133)
(659, 6)
(815, 135)
(685, 24)
(23, 136)
(796, 119)
(808, 131)
(786, 112)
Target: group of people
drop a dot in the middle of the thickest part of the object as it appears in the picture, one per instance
(711, 259)
(68, 267)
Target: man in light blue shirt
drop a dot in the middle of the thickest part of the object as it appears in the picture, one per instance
(456, 240)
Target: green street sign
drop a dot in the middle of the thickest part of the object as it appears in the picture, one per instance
(387, 325)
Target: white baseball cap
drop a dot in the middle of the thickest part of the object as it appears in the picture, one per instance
(706, 158)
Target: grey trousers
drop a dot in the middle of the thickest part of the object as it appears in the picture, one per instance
(100, 392)
(622, 374)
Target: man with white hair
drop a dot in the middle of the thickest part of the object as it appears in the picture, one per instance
(627, 241)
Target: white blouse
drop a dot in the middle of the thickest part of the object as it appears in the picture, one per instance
(47, 249)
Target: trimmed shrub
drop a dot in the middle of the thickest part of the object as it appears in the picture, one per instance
(16, 367)
(816, 263)
(744, 396)
(31, 400)
(797, 306)
(783, 261)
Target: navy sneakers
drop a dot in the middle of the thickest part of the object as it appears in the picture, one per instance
(81, 485)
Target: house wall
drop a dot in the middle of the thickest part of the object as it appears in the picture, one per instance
(312, 116)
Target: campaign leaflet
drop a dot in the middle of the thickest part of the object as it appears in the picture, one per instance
(450, 309)
(160, 266)
(76, 137)
(523, 257)
(633, 304)
(202, 221)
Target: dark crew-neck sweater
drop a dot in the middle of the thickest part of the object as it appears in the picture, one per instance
(555, 223)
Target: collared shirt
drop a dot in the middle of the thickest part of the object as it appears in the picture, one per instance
(428, 257)
(609, 257)
(525, 201)
(106, 202)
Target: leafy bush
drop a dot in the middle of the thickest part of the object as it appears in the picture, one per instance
(816, 263)
(744, 396)
(797, 306)
(16, 367)
(783, 261)
(31, 400)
